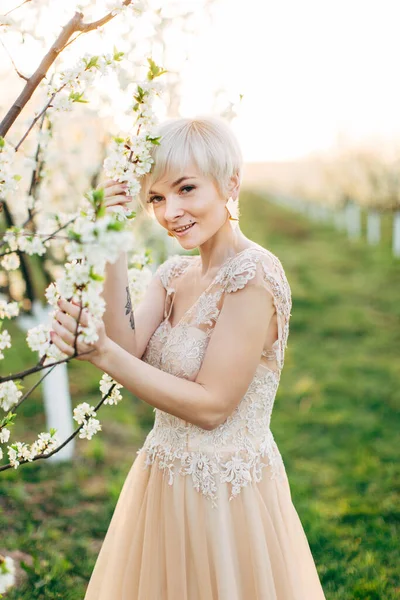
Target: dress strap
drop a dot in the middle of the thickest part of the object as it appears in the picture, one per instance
(168, 271)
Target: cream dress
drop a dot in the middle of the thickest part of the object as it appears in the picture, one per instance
(207, 514)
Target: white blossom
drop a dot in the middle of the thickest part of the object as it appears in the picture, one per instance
(83, 411)
(115, 6)
(106, 383)
(140, 258)
(94, 240)
(90, 428)
(65, 287)
(9, 395)
(32, 245)
(62, 103)
(78, 273)
(52, 295)
(11, 238)
(19, 451)
(8, 179)
(5, 342)
(54, 354)
(139, 280)
(91, 298)
(8, 310)
(88, 334)
(10, 262)
(38, 338)
(4, 435)
(7, 571)
(45, 443)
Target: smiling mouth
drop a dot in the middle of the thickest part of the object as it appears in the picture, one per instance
(179, 230)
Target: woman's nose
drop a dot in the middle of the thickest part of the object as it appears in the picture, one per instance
(173, 209)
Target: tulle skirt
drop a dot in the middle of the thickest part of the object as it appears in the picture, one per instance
(167, 542)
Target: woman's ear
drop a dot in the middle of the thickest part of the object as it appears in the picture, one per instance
(234, 185)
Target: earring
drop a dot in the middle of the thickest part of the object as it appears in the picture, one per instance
(170, 234)
(232, 209)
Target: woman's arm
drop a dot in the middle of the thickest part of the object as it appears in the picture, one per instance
(119, 319)
(231, 359)
(182, 398)
(128, 326)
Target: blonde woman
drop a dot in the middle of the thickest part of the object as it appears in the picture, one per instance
(205, 512)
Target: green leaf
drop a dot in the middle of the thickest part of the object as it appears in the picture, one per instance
(115, 226)
(154, 140)
(101, 211)
(2, 142)
(95, 276)
(92, 62)
(154, 70)
(78, 97)
(117, 55)
(76, 237)
(98, 195)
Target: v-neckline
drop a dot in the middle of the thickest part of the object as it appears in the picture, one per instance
(224, 264)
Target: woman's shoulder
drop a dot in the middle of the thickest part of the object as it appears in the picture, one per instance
(173, 266)
(258, 254)
(255, 263)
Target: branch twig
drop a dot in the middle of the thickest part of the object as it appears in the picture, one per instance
(40, 367)
(12, 61)
(16, 7)
(75, 24)
(74, 434)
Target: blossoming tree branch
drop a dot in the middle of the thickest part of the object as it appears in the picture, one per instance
(91, 237)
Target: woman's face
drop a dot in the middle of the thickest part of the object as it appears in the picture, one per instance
(186, 198)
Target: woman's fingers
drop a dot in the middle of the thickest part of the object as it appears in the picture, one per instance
(74, 310)
(118, 200)
(66, 321)
(63, 346)
(114, 190)
(108, 183)
(63, 333)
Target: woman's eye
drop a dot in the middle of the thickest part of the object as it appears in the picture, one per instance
(186, 189)
(189, 188)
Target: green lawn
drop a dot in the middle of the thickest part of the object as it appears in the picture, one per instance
(335, 420)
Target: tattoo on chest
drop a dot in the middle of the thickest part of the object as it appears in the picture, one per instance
(129, 309)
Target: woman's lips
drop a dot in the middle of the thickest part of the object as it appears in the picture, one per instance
(181, 233)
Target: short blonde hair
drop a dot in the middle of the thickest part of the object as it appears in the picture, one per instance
(207, 141)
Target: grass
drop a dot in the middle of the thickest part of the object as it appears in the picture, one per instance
(335, 421)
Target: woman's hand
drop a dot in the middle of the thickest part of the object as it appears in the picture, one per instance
(115, 195)
(64, 333)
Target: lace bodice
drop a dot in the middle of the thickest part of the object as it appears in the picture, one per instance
(236, 451)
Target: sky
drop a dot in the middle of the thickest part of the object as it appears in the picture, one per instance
(313, 73)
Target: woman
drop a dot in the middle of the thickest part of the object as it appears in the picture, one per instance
(205, 512)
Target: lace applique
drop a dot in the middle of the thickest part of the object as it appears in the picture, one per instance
(173, 267)
(241, 271)
(235, 452)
